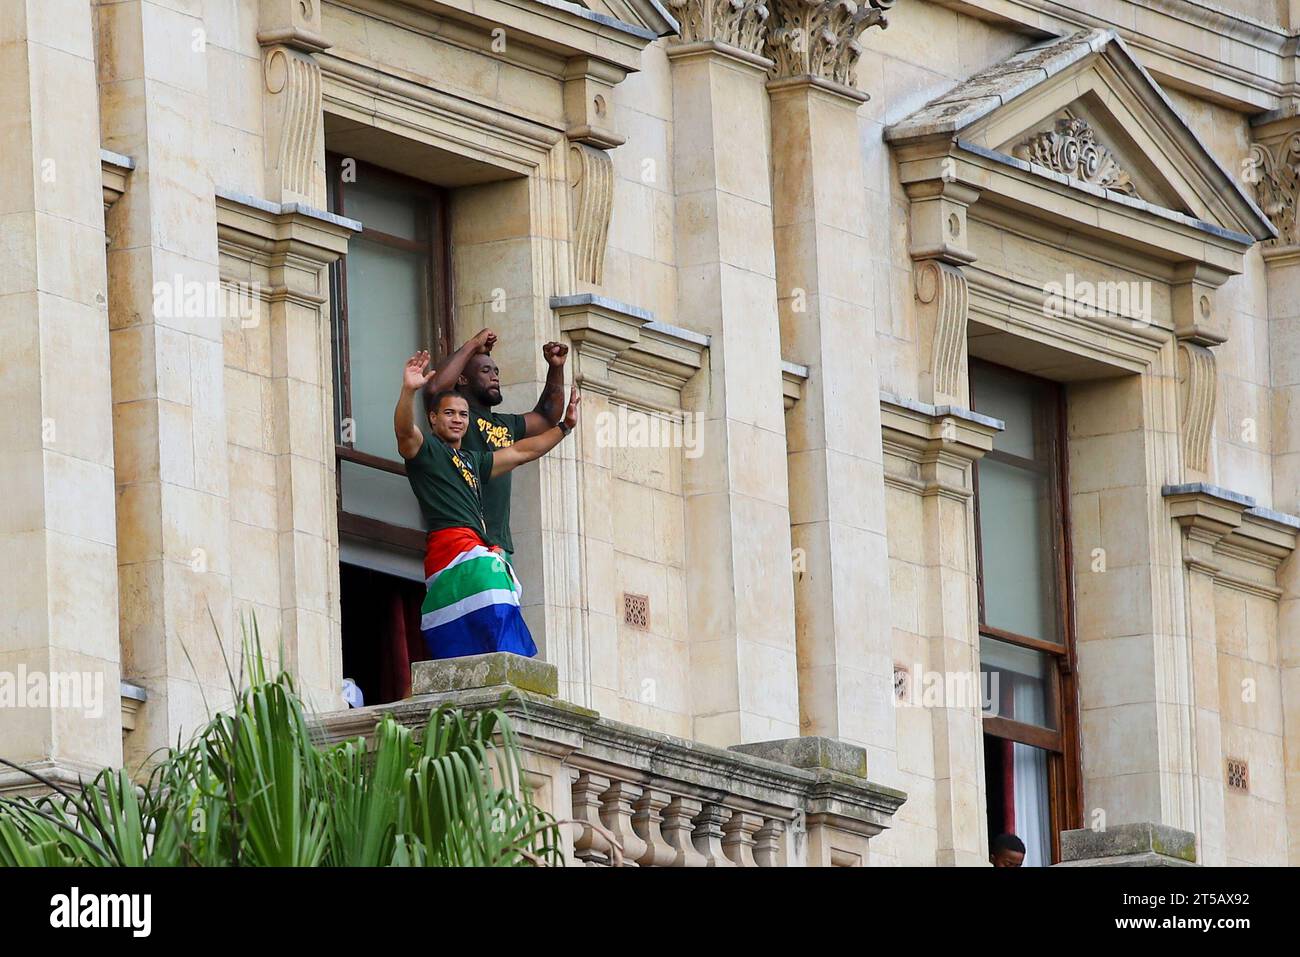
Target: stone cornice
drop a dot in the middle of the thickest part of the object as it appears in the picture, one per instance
(1252, 73)
(793, 378)
(1230, 524)
(932, 447)
(820, 37)
(618, 346)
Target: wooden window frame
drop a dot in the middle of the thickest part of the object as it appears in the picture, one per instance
(436, 319)
(1064, 776)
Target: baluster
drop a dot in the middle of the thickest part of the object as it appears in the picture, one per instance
(678, 826)
(616, 813)
(648, 824)
(590, 846)
(738, 838)
(767, 846)
(708, 835)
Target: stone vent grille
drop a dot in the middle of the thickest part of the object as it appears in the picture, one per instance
(636, 611)
(1239, 775)
(902, 683)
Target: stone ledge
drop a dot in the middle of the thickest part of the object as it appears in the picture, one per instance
(1142, 844)
(813, 752)
(498, 669)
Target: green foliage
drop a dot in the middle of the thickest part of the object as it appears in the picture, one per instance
(252, 788)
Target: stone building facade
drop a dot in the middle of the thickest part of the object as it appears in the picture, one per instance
(941, 390)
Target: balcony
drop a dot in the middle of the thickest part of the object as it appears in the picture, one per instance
(635, 798)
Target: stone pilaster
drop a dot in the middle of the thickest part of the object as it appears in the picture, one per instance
(741, 599)
(167, 315)
(280, 255)
(825, 302)
(58, 544)
(929, 453)
(1205, 514)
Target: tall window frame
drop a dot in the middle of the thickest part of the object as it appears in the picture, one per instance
(1061, 743)
(437, 322)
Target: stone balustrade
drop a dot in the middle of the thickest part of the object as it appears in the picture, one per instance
(636, 798)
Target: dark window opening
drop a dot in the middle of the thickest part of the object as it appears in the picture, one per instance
(1031, 743)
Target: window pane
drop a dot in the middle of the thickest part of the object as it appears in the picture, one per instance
(1016, 782)
(1011, 399)
(1018, 683)
(387, 204)
(386, 296)
(375, 493)
(1016, 552)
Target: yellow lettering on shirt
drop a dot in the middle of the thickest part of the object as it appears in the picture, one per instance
(497, 436)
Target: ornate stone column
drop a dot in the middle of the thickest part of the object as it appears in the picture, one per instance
(58, 543)
(825, 298)
(741, 601)
(1275, 172)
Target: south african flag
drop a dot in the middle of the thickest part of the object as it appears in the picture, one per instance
(472, 605)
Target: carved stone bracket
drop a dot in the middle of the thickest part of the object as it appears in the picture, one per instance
(739, 23)
(1072, 148)
(820, 37)
(1198, 382)
(945, 300)
(591, 185)
(290, 33)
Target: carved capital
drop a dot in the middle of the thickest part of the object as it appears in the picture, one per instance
(740, 23)
(820, 37)
(591, 186)
(1072, 148)
(1273, 169)
(1198, 388)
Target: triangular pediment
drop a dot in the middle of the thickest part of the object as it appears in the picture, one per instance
(651, 15)
(1080, 110)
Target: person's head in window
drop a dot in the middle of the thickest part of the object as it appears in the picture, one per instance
(481, 381)
(1006, 850)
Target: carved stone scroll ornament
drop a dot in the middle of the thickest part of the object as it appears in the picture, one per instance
(820, 37)
(740, 23)
(1199, 385)
(1072, 148)
(941, 287)
(1275, 173)
(591, 182)
(293, 113)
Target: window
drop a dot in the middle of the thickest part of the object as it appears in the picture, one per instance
(1026, 653)
(390, 297)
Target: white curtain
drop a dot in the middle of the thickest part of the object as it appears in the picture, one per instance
(1029, 779)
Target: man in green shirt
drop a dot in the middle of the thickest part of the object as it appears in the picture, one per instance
(473, 372)
(471, 605)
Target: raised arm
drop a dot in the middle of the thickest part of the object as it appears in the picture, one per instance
(550, 404)
(447, 373)
(414, 378)
(535, 446)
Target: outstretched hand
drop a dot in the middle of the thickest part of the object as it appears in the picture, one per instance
(414, 374)
(571, 413)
